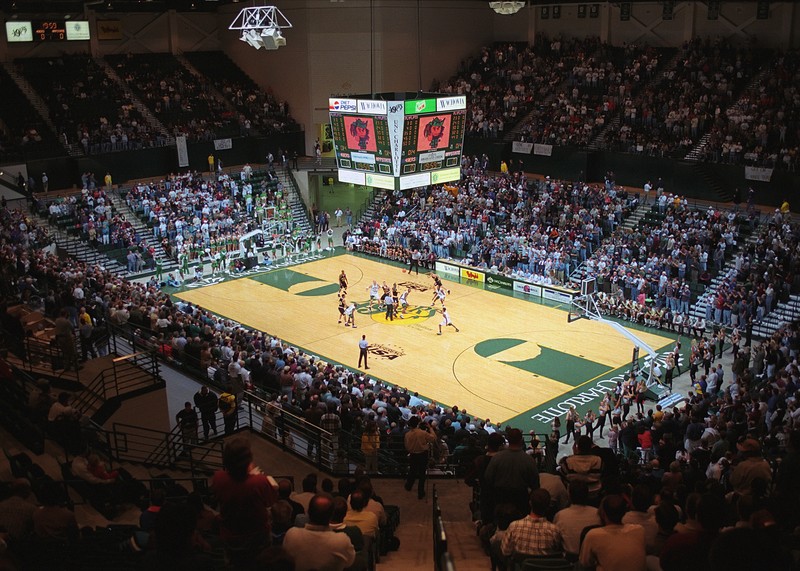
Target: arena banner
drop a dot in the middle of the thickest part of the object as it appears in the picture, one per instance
(528, 289)
(522, 148)
(447, 269)
(556, 295)
(109, 30)
(183, 153)
(542, 149)
(470, 275)
(222, 144)
(498, 282)
(758, 173)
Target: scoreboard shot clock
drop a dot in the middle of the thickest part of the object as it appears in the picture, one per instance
(398, 140)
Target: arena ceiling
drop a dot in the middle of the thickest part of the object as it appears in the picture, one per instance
(30, 8)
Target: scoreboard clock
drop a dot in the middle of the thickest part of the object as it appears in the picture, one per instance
(49, 30)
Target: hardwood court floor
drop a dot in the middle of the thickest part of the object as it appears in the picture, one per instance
(510, 356)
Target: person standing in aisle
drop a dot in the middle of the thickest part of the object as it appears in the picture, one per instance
(187, 420)
(206, 402)
(418, 442)
(363, 348)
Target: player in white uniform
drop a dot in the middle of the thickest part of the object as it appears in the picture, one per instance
(350, 315)
(404, 301)
(374, 293)
(446, 321)
(439, 294)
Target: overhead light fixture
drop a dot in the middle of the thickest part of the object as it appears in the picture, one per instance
(261, 27)
(506, 8)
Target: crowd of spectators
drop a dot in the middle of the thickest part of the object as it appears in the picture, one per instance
(673, 113)
(696, 449)
(764, 273)
(600, 79)
(259, 110)
(23, 131)
(198, 216)
(183, 102)
(506, 81)
(87, 106)
(533, 230)
(647, 274)
(707, 483)
(761, 129)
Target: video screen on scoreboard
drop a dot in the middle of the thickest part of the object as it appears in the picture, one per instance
(432, 141)
(361, 142)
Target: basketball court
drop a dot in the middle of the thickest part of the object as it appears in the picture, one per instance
(513, 359)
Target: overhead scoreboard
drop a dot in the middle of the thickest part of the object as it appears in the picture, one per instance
(18, 31)
(398, 143)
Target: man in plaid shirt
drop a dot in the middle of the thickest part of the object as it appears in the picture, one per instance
(330, 422)
(533, 535)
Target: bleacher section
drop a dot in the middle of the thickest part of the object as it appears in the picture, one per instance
(257, 108)
(86, 105)
(181, 101)
(27, 132)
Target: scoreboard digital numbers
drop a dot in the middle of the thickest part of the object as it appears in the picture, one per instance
(398, 143)
(49, 30)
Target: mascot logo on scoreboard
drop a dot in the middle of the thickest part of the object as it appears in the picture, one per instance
(360, 130)
(434, 131)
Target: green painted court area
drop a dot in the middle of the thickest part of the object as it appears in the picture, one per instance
(285, 279)
(557, 365)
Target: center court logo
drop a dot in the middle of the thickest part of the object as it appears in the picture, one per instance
(414, 286)
(386, 352)
(415, 314)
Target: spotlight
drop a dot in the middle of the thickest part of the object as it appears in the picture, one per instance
(261, 27)
(272, 39)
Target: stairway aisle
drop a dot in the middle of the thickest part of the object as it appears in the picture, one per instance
(144, 232)
(152, 122)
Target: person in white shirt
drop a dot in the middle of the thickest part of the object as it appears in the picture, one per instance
(573, 520)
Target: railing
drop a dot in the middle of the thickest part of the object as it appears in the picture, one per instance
(94, 393)
(14, 413)
(442, 561)
(129, 379)
(43, 353)
(339, 453)
(128, 443)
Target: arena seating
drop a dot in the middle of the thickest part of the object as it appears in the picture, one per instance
(27, 134)
(257, 107)
(86, 105)
(598, 84)
(761, 128)
(181, 101)
(672, 114)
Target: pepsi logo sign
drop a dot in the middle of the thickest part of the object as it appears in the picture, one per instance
(342, 104)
